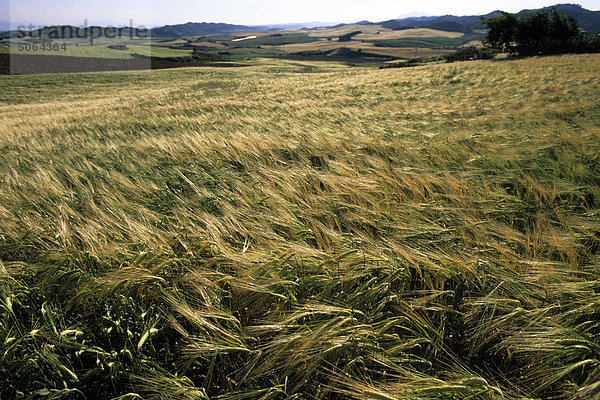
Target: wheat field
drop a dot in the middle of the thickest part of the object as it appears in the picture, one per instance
(298, 230)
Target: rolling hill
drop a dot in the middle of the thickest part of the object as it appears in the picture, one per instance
(588, 20)
(201, 28)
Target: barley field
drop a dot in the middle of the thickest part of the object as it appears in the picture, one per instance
(294, 230)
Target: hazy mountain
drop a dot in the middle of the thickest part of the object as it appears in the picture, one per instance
(415, 14)
(300, 25)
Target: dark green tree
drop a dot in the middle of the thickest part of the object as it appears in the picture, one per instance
(540, 33)
(502, 32)
(547, 33)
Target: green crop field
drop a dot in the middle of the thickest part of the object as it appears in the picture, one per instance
(293, 230)
(434, 41)
(274, 40)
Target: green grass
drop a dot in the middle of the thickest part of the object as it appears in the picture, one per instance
(302, 231)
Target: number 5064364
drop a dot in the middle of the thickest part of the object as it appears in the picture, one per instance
(42, 47)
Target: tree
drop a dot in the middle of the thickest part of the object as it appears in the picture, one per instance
(502, 32)
(540, 33)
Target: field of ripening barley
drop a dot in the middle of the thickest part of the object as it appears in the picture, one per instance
(298, 230)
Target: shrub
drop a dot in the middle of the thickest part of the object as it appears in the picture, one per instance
(348, 36)
(471, 53)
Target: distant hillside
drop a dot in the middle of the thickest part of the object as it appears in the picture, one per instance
(451, 23)
(588, 20)
(209, 28)
(200, 28)
(205, 28)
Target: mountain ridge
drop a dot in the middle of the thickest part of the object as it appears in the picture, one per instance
(588, 20)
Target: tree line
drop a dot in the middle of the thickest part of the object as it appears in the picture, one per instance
(543, 32)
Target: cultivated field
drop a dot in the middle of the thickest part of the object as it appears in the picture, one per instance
(377, 32)
(302, 231)
(314, 45)
(400, 52)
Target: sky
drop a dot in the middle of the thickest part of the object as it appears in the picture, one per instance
(247, 12)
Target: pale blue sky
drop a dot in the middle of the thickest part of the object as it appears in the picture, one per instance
(249, 12)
